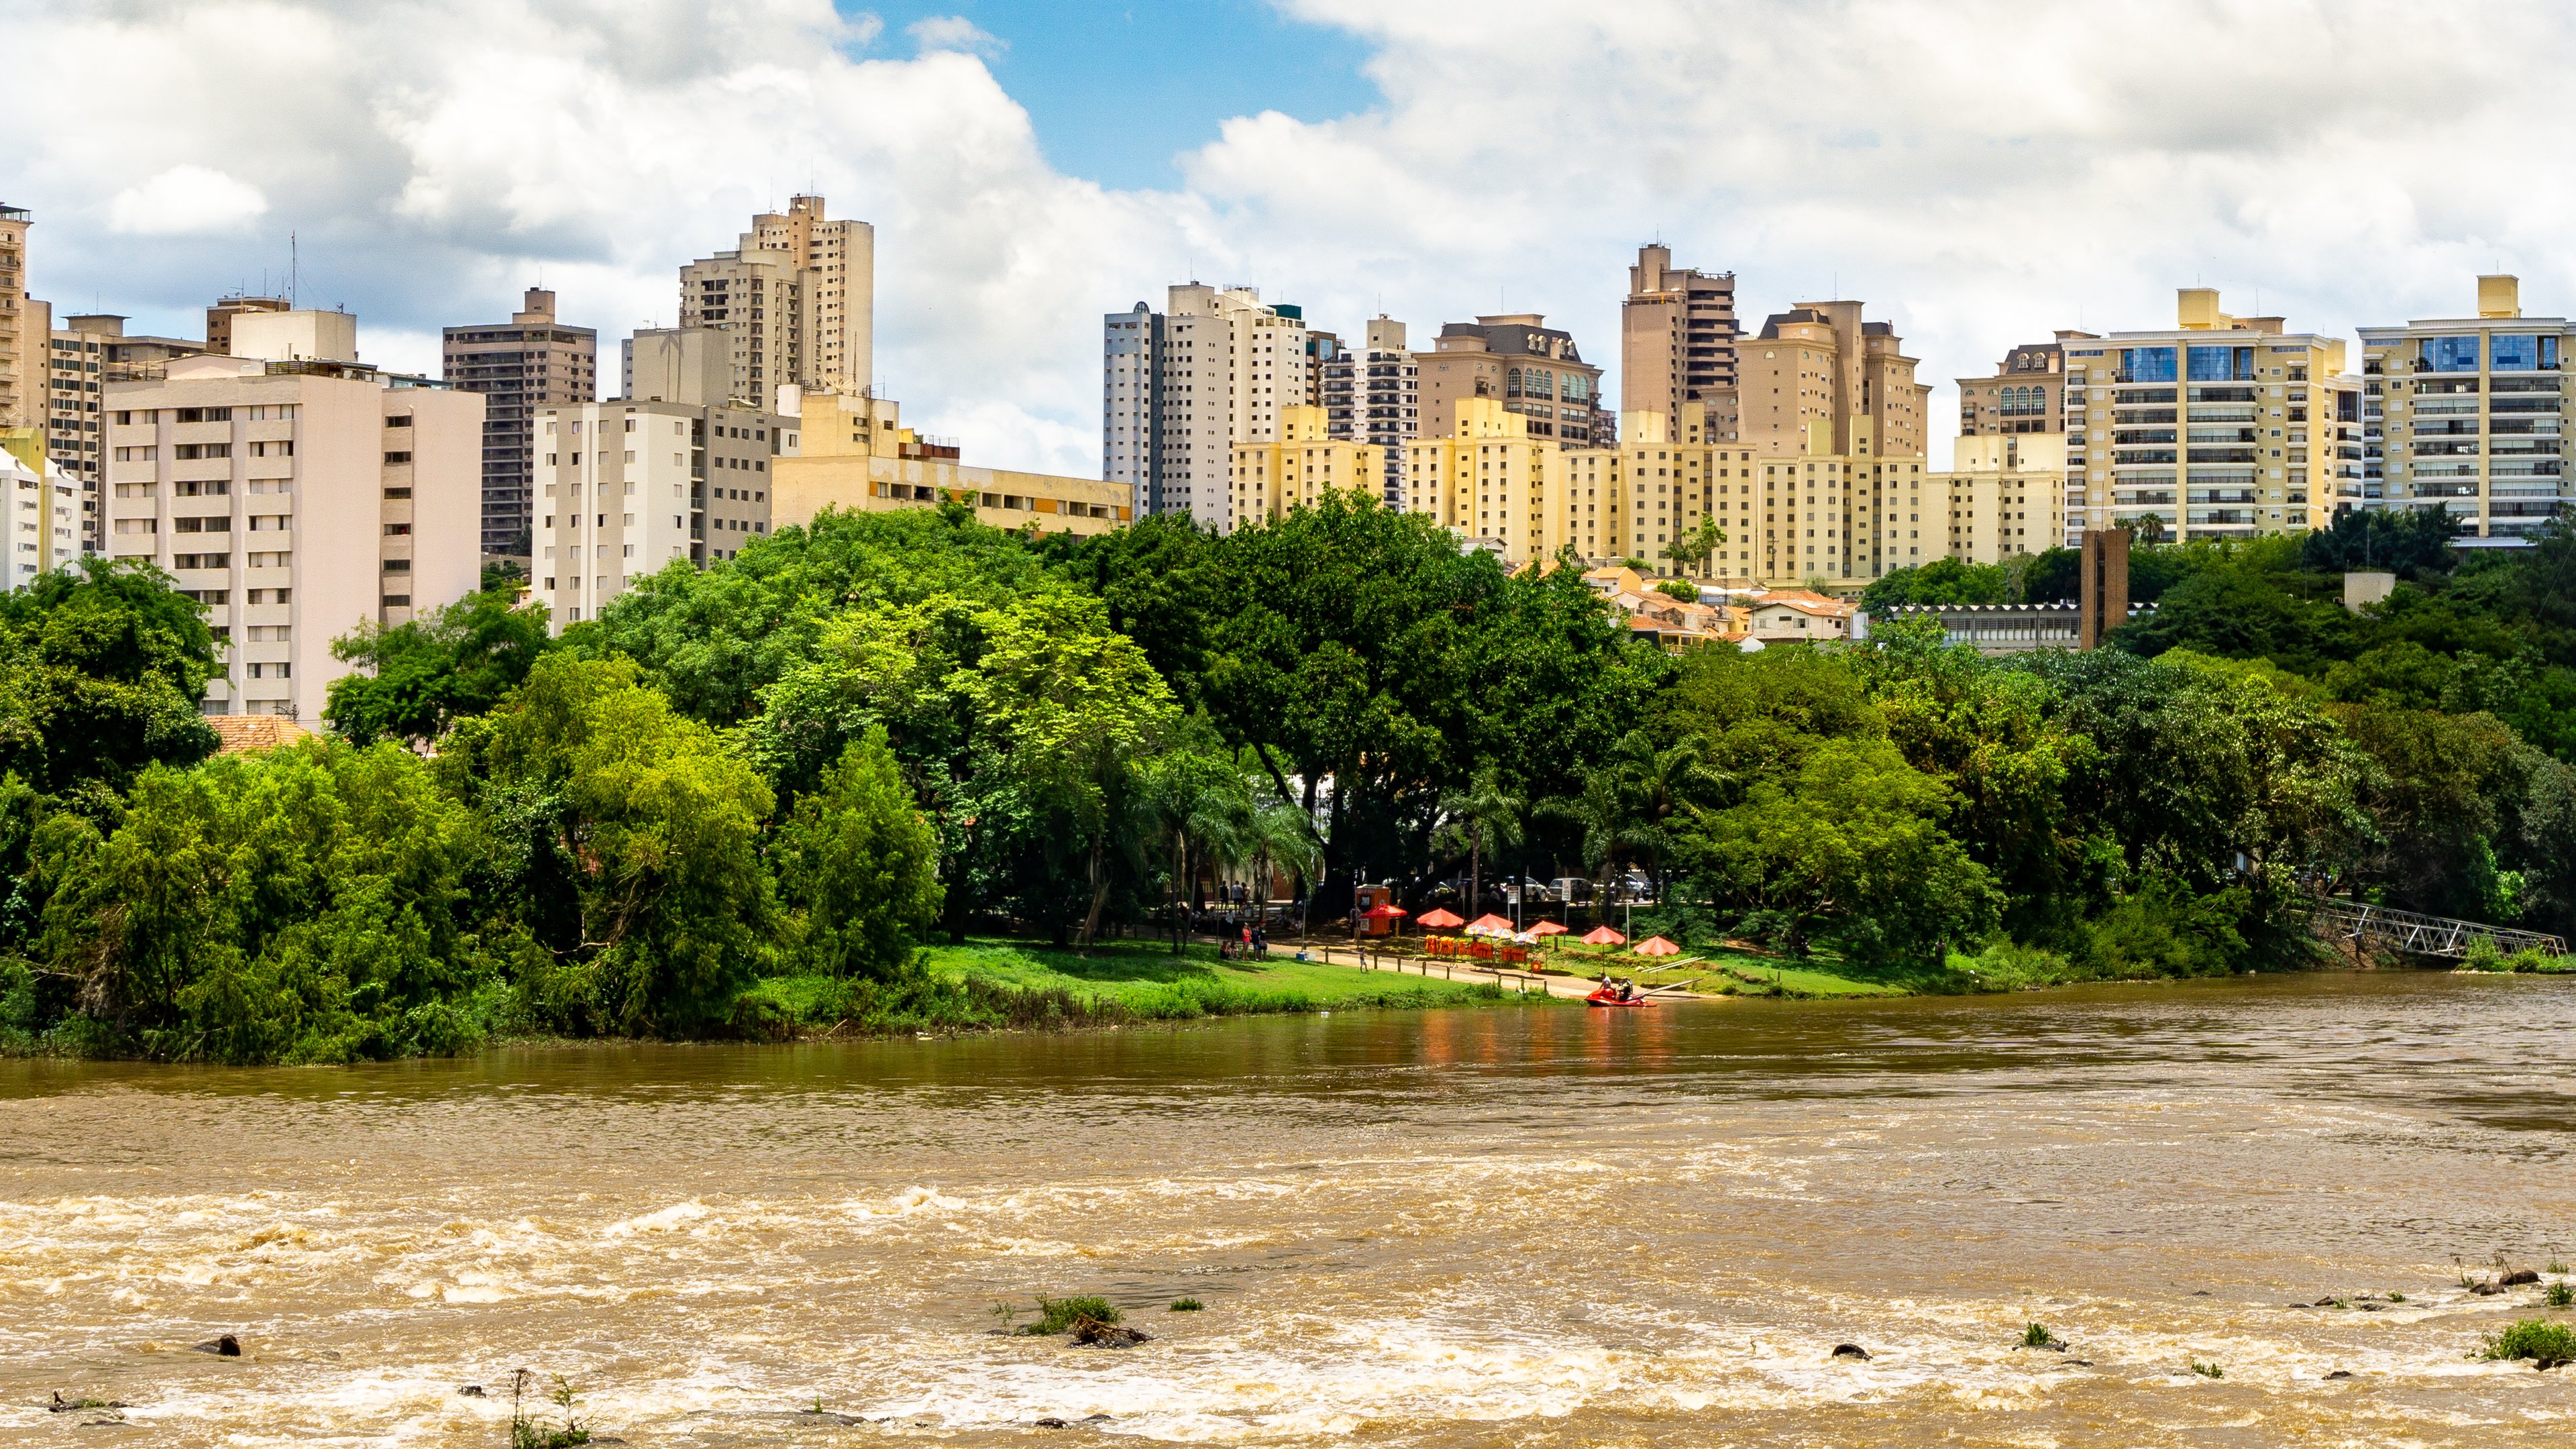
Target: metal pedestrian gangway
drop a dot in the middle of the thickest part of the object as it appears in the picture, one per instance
(2422, 935)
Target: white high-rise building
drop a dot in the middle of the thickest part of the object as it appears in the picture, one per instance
(1373, 394)
(43, 511)
(1180, 388)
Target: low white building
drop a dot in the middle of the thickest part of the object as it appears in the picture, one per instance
(43, 504)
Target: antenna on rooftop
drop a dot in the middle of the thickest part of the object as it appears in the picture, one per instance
(294, 270)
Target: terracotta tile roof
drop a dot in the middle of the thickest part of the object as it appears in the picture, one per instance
(241, 732)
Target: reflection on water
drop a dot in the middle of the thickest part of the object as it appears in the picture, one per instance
(1461, 1228)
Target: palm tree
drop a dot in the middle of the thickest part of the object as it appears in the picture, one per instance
(1197, 806)
(1283, 835)
(1479, 820)
(1659, 782)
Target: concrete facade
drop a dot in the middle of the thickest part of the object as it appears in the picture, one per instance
(1181, 387)
(1532, 369)
(2469, 415)
(25, 326)
(532, 361)
(2004, 495)
(795, 298)
(1822, 362)
(2220, 427)
(1297, 468)
(631, 487)
(40, 509)
(858, 457)
(1677, 340)
(297, 501)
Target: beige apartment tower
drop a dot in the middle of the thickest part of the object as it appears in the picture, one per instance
(2219, 427)
(530, 362)
(1677, 340)
(2466, 414)
(1821, 362)
(25, 326)
(1529, 367)
(796, 298)
(297, 501)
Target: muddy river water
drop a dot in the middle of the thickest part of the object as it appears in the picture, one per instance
(1496, 1227)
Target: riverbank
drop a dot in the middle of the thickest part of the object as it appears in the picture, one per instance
(987, 984)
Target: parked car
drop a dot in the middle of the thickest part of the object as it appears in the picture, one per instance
(1572, 890)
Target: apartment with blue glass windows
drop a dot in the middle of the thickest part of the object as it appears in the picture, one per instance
(2468, 414)
(2221, 427)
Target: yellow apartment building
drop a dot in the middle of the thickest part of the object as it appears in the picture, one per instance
(1299, 466)
(856, 455)
(2003, 496)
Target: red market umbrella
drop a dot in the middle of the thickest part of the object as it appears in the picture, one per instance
(1437, 919)
(1384, 912)
(1657, 946)
(1489, 924)
(1604, 936)
(1547, 928)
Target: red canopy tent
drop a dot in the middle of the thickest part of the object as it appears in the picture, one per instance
(1547, 928)
(1436, 919)
(1384, 913)
(1604, 936)
(1657, 946)
(1489, 924)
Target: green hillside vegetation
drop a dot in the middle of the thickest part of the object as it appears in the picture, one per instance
(901, 769)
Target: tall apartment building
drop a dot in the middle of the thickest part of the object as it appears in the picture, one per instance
(297, 500)
(2221, 427)
(1373, 394)
(2469, 415)
(531, 362)
(1181, 387)
(40, 509)
(1820, 361)
(2027, 393)
(25, 326)
(1298, 467)
(796, 297)
(630, 487)
(1529, 367)
(1677, 340)
(1323, 350)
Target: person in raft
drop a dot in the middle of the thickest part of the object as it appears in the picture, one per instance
(1627, 989)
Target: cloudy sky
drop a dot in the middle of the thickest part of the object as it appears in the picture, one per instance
(1978, 173)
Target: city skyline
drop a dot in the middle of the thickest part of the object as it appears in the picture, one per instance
(1989, 176)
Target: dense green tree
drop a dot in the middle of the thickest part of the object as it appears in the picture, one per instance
(1476, 822)
(862, 865)
(660, 820)
(713, 639)
(1849, 847)
(297, 905)
(102, 665)
(417, 678)
(2410, 542)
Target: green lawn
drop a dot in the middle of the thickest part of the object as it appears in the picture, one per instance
(1147, 979)
(989, 983)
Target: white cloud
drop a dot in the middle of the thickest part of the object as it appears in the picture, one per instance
(954, 32)
(1979, 171)
(186, 201)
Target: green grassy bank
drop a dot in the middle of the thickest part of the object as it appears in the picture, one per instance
(992, 984)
